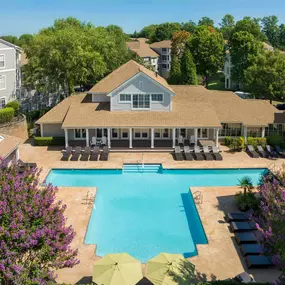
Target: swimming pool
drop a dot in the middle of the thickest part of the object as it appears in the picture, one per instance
(147, 212)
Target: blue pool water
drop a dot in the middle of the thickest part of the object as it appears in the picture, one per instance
(145, 213)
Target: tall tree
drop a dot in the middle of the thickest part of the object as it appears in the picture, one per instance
(208, 50)
(179, 40)
(175, 71)
(250, 25)
(281, 37)
(227, 25)
(188, 69)
(25, 39)
(165, 31)
(189, 26)
(271, 30)
(206, 21)
(147, 32)
(265, 77)
(242, 46)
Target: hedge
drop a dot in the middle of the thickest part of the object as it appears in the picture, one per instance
(6, 115)
(15, 105)
(235, 143)
(47, 141)
(256, 141)
(276, 139)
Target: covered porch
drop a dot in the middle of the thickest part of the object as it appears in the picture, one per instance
(158, 139)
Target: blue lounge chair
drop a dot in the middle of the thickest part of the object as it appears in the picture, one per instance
(244, 237)
(239, 217)
(251, 249)
(242, 226)
(258, 261)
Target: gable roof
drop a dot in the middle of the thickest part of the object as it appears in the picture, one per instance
(141, 48)
(124, 73)
(9, 44)
(8, 144)
(161, 44)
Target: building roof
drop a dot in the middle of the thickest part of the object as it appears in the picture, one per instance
(122, 74)
(8, 144)
(279, 118)
(141, 48)
(10, 44)
(267, 46)
(162, 44)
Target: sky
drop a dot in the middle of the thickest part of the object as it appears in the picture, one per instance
(29, 16)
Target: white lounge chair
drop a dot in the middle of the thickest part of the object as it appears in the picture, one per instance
(192, 139)
(104, 141)
(180, 140)
(93, 141)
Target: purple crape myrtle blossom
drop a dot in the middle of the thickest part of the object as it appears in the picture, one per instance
(271, 219)
(34, 238)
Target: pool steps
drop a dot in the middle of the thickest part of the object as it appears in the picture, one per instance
(139, 168)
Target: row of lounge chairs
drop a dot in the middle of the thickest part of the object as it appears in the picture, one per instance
(267, 152)
(88, 153)
(197, 154)
(246, 236)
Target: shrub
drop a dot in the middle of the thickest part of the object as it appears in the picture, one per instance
(6, 115)
(236, 144)
(228, 141)
(256, 141)
(15, 105)
(246, 202)
(275, 139)
(46, 141)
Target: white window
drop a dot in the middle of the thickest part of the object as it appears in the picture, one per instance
(2, 60)
(164, 49)
(203, 133)
(141, 101)
(141, 133)
(165, 57)
(2, 102)
(165, 66)
(2, 82)
(80, 133)
(161, 133)
(115, 133)
(165, 133)
(125, 98)
(157, 97)
(124, 133)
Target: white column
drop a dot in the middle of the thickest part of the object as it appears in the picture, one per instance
(130, 138)
(152, 138)
(66, 137)
(42, 130)
(109, 137)
(173, 137)
(217, 137)
(245, 133)
(196, 136)
(263, 133)
(87, 137)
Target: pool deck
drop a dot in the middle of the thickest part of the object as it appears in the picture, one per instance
(220, 258)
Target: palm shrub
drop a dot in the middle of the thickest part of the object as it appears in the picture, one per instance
(34, 238)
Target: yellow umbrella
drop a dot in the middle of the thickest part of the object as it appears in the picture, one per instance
(158, 268)
(117, 268)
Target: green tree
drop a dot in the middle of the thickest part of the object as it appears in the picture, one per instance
(208, 50)
(25, 39)
(175, 71)
(206, 21)
(227, 26)
(281, 37)
(147, 32)
(251, 26)
(165, 31)
(265, 77)
(178, 43)
(271, 29)
(188, 69)
(246, 184)
(11, 39)
(242, 46)
(189, 26)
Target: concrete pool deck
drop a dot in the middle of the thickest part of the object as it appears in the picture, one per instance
(220, 258)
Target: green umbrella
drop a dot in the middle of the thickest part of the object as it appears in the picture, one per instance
(119, 268)
(158, 268)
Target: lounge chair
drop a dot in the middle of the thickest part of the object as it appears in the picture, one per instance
(180, 140)
(192, 140)
(242, 226)
(66, 153)
(251, 249)
(262, 152)
(216, 153)
(244, 277)
(248, 237)
(105, 154)
(251, 152)
(197, 153)
(93, 141)
(104, 141)
(85, 154)
(187, 153)
(258, 261)
(239, 217)
(177, 153)
(23, 166)
(94, 154)
(207, 153)
(280, 151)
(271, 152)
(76, 153)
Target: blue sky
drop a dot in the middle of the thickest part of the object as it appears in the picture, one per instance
(28, 16)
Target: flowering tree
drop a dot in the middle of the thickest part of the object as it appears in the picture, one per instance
(34, 240)
(271, 222)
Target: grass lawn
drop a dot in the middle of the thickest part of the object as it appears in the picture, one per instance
(217, 82)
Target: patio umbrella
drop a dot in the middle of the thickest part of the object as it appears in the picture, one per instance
(119, 268)
(158, 268)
